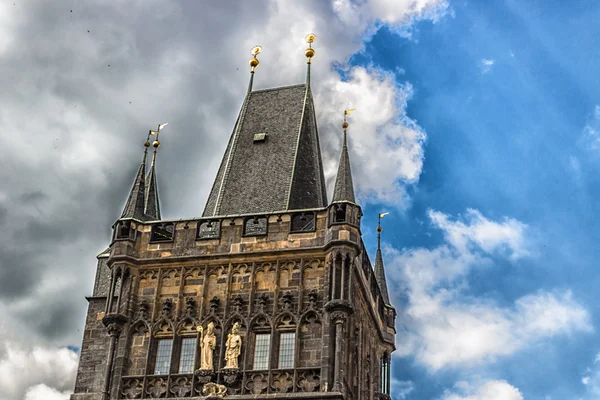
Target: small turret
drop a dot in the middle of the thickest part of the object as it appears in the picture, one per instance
(379, 269)
(343, 205)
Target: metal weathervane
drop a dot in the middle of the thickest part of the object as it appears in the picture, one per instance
(379, 217)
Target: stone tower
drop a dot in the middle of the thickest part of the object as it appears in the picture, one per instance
(270, 294)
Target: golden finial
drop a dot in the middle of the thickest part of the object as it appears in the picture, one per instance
(381, 215)
(346, 112)
(310, 52)
(254, 61)
(156, 143)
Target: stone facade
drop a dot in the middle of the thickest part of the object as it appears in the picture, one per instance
(318, 285)
(314, 321)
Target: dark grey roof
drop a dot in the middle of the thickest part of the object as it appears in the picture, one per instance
(152, 204)
(134, 207)
(380, 272)
(283, 172)
(344, 189)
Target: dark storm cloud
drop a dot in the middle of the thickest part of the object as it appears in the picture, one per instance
(59, 72)
(32, 197)
(79, 92)
(17, 273)
(3, 214)
(56, 321)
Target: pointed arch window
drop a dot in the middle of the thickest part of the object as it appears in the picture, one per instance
(162, 363)
(188, 355)
(287, 347)
(385, 374)
(262, 347)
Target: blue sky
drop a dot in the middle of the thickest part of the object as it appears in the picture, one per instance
(507, 93)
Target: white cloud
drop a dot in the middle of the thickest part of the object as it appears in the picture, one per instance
(36, 373)
(490, 390)
(72, 129)
(591, 380)
(486, 64)
(506, 236)
(401, 389)
(444, 327)
(378, 128)
(380, 125)
(43, 392)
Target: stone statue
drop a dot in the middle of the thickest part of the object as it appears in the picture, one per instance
(208, 341)
(213, 390)
(233, 347)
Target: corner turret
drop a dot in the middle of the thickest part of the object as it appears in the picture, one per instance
(343, 208)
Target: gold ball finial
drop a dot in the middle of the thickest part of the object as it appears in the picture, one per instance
(254, 61)
(345, 125)
(156, 144)
(147, 144)
(310, 52)
(379, 228)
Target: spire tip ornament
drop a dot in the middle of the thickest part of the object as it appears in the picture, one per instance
(253, 64)
(381, 215)
(254, 61)
(345, 123)
(310, 52)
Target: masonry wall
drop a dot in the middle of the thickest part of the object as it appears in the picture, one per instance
(276, 282)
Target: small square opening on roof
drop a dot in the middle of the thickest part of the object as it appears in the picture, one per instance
(260, 137)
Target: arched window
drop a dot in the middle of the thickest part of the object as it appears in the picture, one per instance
(261, 343)
(162, 362)
(186, 346)
(340, 213)
(286, 341)
(162, 349)
(385, 374)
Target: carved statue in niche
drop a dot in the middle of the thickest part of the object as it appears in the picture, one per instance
(233, 347)
(208, 341)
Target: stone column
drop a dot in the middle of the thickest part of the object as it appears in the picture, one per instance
(334, 278)
(338, 318)
(114, 325)
(338, 310)
(343, 280)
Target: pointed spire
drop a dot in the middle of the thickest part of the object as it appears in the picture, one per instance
(309, 53)
(151, 201)
(134, 207)
(344, 188)
(253, 64)
(379, 269)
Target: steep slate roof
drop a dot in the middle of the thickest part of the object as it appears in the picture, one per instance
(344, 189)
(285, 171)
(134, 207)
(380, 272)
(151, 204)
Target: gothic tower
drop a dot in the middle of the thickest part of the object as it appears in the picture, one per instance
(270, 294)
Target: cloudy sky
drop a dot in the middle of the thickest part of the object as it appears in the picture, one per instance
(477, 127)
